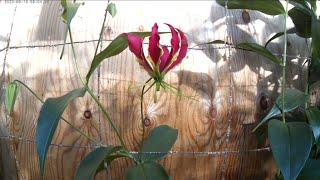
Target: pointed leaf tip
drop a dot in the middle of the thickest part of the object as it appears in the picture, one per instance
(112, 9)
(92, 161)
(313, 115)
(69, 11)
(254, 47)
(48, 119)
(161, 139)
(11, 95)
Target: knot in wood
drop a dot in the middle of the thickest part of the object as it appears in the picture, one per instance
(263, 102)
(108, 30)
(288, 44)
(141, 28)
(146, 122)
(245, 16)
(87, 114)
(212, 113)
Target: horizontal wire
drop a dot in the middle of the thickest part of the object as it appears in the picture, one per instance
(206, 152)
(33, 141)
(87, 41)
(107, 40)
(132, 87)
(50, 45)
(135, 152)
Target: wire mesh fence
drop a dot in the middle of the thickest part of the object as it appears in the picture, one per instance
(227, 47)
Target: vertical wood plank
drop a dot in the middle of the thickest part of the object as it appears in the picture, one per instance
(8, 168)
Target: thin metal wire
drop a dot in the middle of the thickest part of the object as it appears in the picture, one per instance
(51, 45)
(206, 152)
(4, 70)
(99, 84)
(203, 47)
(229, 104)
(227, 47)
(136, 152)
(57, 145)
(106, 40)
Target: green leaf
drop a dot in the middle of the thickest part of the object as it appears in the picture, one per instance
(108, 160)
(314, 70)
(2, 79)
(48, 119)
(271, 7)
(254, 47)
(118, 45)
(301, 5)
(261, 135)
(292, 99)
(301, 21)
(161, 139)
(147, 171)
(289, 31)
(91, 162)
(310, 170)
(313, 115)
(290, 144)
(213, 42)
(315, 50)
(110, 157)
(315, 46)
(11, 95)
(259, 50)
(69, 11)
(112, 9)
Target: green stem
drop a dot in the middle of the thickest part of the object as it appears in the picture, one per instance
(141, 110)
(65, 36)
(307, 85)
(284, 63)
(95, 142)
(173, 89)
(149, 87)
(169, 85)
(91, 93)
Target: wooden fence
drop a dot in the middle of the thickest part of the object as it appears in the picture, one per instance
(234, 89)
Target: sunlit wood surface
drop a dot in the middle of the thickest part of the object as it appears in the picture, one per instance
(233, 89)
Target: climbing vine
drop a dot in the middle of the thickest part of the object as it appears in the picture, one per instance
(295, 142)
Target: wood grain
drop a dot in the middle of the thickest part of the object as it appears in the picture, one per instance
(8, 169)
(211, 75)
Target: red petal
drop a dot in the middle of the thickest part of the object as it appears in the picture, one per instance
(154, 49)
(175, 45)
(135, 46)
(175, 41)
(183, 50)
(164, 58)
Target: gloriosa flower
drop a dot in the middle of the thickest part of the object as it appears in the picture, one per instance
(159, 60)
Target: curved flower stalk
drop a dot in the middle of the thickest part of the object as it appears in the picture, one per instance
(159, 60)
